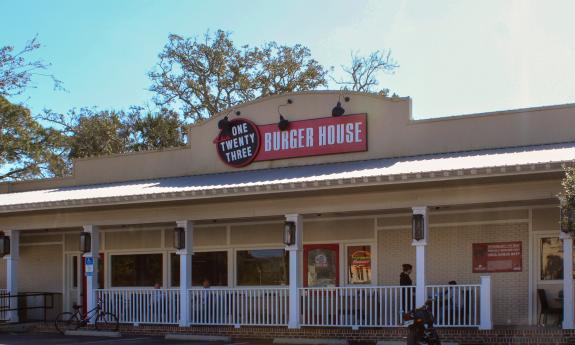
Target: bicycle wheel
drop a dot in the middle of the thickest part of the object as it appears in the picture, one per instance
(66, 322)
(107, 321)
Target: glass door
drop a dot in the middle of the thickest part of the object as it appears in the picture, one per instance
(321, 265)
(72, 281)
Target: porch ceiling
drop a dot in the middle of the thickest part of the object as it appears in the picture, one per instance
(436, 167)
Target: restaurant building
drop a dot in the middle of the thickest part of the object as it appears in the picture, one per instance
(299, 211)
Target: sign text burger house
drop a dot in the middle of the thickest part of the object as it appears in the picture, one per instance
(241, 142)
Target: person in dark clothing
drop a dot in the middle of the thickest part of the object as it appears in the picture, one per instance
(406, 293)
(404, 278)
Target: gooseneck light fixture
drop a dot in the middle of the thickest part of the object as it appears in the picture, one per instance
(338, 110)
(224, 124)
(283, 123)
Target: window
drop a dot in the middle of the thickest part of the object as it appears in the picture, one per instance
(262, 267)
(551, 260)
(212, 266)
(359, 265)
(136, 269)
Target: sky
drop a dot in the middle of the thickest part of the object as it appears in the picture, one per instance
(455, 57)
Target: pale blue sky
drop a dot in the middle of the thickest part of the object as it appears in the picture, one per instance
(456, 57)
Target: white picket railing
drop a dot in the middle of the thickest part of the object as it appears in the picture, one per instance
(455, 305)
(368, 306)
(365, 306)
(142, 306)
(4, 304)
(239, 306)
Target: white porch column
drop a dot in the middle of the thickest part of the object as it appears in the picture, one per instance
(486, 317)
(420, 293)
(91, 266)
(12, 272)
(295, 271)
(186, 271)
(568, 308)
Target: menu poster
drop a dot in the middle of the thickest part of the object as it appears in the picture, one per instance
(497, 257)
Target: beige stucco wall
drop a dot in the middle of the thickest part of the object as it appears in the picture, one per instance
(545, 219)
(40, 268)
(339, 230)
(391, 133)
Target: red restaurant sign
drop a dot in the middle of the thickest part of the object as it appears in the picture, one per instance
(497, 257)
(315, 137)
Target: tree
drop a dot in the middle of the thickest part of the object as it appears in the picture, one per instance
(202, 78)
(89, 132)
(16, 72)
(362, 74)
(26, 148)
(155, 131)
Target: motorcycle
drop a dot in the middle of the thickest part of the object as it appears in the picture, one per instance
(420, 324)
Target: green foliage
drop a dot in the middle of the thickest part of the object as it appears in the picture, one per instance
(155, 131)
(89, 132)
(202, 78)
(567, 200)
(26, 148)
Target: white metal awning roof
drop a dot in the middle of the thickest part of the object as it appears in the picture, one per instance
(518, 160)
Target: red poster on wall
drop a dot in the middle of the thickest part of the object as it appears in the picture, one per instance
(314, 137)
(497, 257)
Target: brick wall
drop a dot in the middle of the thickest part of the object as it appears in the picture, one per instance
(449, 258)
(534, 336)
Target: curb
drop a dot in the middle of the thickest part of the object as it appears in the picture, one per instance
(194, 337)
(310, 341)
(106, 334)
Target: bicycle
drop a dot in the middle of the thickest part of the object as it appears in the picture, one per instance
(68, 321)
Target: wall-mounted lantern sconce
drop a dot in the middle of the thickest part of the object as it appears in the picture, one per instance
(4, 245)
(179, 238)
(417, 227)
(283, 123)
(85, 242)
(289, 233)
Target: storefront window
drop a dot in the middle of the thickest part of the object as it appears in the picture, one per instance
(262, 267)
(212, 266)
(551, 258)
(136, 269)
(359, 265)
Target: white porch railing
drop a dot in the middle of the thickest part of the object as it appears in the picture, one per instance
(4, 304)
(239, 306)
(455, 305)
(368, 306)
(362, 306)
(142, 306)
